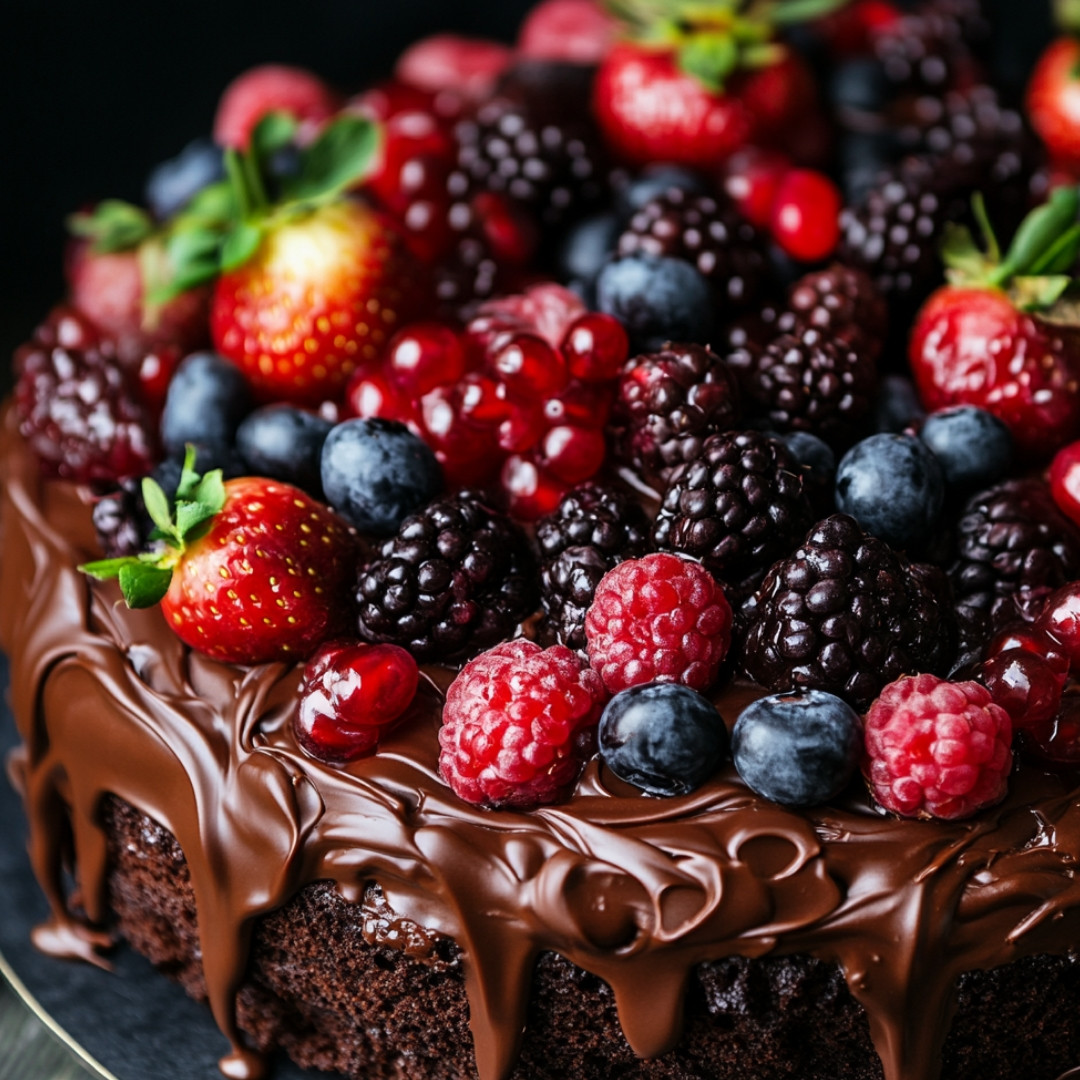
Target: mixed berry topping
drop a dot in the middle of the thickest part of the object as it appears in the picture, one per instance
(601, 339)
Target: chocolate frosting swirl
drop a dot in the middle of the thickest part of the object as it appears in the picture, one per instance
(635, 890)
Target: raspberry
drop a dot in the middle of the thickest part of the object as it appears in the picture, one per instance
(593, 529)
(846, 614)
(668, 403)
(937, 749)
(658, 619)
(1014, 548)
(77, 407)
(518, 725)
(457, 577)
(712, 235)
(737, 506)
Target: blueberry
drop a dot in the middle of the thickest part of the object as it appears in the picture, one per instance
(812, 454)
(894, 487)
(662, 737)
(174, 183)
(285, 443)
(377, 472)
(974, 447)
(206, 400)
(898, 406)
(655, 180)
(797, 749)
(587, 246)
(657, 300)
(167, 473)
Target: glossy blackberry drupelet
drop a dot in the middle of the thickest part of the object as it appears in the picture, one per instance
(847, 615)
(593, 529)
(1013, 549)
(707, 232)
(119, 521)
(388, 1002)
(668, 403)
(842, 303)
(457, 577)
(811, 382)
(549, 161)
(737, 506)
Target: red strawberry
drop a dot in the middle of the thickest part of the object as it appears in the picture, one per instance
(574, 31)
(998, 339)
(1053, 99)
(263, 582)
(705, 90)
(322, 294)
(271, 88)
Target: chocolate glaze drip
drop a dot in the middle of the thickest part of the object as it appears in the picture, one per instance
(633, 889)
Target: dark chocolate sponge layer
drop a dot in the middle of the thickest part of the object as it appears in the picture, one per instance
(354, 988)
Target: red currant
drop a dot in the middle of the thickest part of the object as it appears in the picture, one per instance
(370, 393)
(585, 404)
(155, 373)
(751, 179)
(1060, 619)
(595, 347)
(1024, 685)
(349, 695)
(572, 453)
(511, 237)
(806, 215)
(521, 429)
(463, 451)
(424, 356)
(529, 367)
(531, 492)
(1065, 481)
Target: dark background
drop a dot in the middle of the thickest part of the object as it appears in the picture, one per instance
(95, 92)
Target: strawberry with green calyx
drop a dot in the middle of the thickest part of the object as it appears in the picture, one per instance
(1004, 334)
(694, 81)
(247, 570)
(1053, 91)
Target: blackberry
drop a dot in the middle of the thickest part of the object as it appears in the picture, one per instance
(1014, 548)
(668, 403)
(78, 409)
(808, 382)
(456, 578)
(119, 521)
(552, 165)
(737, 506)
(842, 303)
(594, 528)
(707, 232)
(847, 614)
(929, 50)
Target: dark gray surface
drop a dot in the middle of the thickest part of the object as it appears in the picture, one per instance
(133, 1020)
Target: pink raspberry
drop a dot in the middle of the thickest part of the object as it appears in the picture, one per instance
(658, 619)
(518, 724)
(936, 748)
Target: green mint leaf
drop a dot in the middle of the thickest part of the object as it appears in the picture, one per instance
(240, 245)
(272, 133)
(709, 58)
(105, 569)
(341, 155)
(113, 225)
(144, 585)
(189, 478)
(157, 506)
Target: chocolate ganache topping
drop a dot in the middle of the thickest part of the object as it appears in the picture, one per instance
(633, 889)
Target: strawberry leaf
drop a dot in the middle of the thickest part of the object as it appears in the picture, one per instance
(113, 225)
(211, 491)
(787, 12)
(710, 58)
(1038, 293)
(157, 506)
(189, 478)
(272, 133)
(240, 245)
(143, 585)
(105, 569)
(1038, 233)
(341, 155)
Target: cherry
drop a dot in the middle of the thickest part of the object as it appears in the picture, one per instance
(1024, 685)
(806, 215)
(1060, 619)
(1033, 640)
(531, 492)
(529, 366)
(1065, 481)
(424, 356)
(595, 347)
(572, 453)
(350, 693)
(752, 179)
(1057, 742)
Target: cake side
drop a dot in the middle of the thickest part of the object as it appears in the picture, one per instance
(636, 892)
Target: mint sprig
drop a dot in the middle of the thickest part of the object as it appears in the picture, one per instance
(1037, 267)
(145, 578)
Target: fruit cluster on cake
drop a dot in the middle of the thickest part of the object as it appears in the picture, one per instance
(502, 588)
